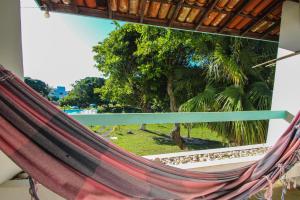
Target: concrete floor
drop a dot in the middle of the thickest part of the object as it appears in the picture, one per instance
(292, 194)
(18, 189)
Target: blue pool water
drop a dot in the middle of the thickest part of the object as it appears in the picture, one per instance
(73, 111)
(80, 111)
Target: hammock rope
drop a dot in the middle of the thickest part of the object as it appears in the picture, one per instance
(72, 161)
(33, 189)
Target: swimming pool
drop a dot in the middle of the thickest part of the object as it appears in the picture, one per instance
(80, 111)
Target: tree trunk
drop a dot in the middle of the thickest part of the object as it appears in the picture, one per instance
(145, 109)
(173, 106)
(175, 133)
(143, 127)
(189, 127)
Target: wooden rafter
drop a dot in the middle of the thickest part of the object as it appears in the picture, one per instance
(205, 13)
(270, 29)
(142, 10)
(235, 14)
(109, 11)
(262, 17)
(74, 6)
(49, 5)
(128, 11)
(178, 7)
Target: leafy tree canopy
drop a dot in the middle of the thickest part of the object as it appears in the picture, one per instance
(148, 66)
(233, 85)
(83, 93)
(38, 85)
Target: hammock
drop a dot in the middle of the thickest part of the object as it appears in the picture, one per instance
(73, 162)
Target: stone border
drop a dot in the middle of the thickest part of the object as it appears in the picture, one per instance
(212, 157)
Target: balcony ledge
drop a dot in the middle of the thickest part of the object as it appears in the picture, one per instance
(230, 156)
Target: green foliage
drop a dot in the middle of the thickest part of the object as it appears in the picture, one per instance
(38, 85)
(141, 61)
(147, 67)
(83, 93)
(117, 109)
(233, 85)
(160, 69)
(126, 84)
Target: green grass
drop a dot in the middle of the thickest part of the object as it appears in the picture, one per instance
(156, 140)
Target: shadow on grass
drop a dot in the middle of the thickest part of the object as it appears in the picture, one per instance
(162, 135)
(191, 143)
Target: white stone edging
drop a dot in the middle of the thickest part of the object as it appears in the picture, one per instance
(217, 162)
(191, 165)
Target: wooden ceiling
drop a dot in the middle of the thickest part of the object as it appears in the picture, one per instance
(247, 18)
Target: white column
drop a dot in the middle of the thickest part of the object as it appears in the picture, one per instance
(286, 93)
(10, 58)
(10, 36)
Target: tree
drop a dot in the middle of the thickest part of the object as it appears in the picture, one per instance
(38, 85)
(83, 93)
(126, 83)
(169, 54)
(148, 65)
(233, 85)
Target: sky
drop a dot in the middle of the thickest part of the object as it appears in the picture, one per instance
(58, 50)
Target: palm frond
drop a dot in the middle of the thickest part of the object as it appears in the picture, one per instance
(203, 102)
(260, 95)
(224, 67)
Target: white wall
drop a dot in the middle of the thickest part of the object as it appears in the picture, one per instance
(19, 190)
(11, 58)
(10, 36)
(286, 95)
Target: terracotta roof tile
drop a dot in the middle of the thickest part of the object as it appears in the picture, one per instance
(193, 14)
(237, 17)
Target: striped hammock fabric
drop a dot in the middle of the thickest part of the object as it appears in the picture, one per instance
(73, 162)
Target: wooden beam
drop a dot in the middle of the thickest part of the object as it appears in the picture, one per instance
(49, 5)
(142, 10)
(236, 13)
(258, 36)
(174, 3)
(82, 11)
(270, 29)
(74, 6)
(128, 11)
(178, 7)
(205, 13)
(260, 18)
(109, 11)
(155, 22)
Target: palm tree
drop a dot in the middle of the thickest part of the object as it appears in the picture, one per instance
(233, 85)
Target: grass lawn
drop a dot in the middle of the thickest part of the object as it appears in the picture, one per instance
(156, 140)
